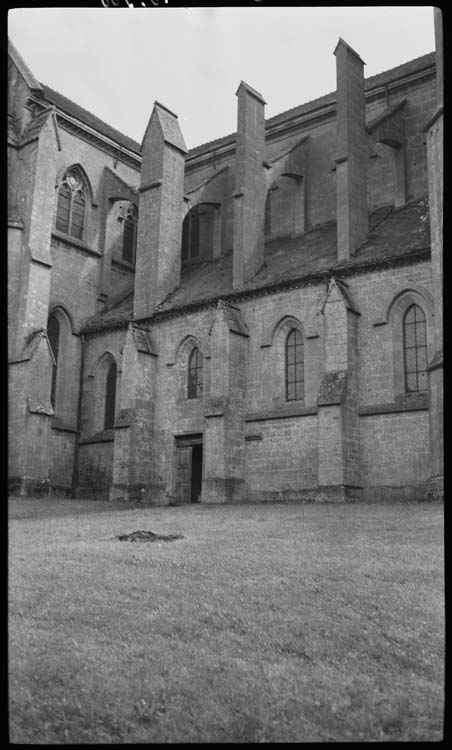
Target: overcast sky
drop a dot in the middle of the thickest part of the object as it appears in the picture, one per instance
(116, 61)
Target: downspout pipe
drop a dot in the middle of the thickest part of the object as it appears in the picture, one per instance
(79, 421)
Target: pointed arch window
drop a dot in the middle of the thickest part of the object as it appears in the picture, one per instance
(129, 242)
(53, 333)
(70, 217)
(415, 349)
(195, 366)
(110, 397)
(294, 366)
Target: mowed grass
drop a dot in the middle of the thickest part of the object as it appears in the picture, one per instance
(273, 623)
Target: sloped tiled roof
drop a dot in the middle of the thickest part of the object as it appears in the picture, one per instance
(74, 110)
(118, 313)
(393, 232)
(413, 66)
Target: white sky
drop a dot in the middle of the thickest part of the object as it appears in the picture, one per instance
(116, 61)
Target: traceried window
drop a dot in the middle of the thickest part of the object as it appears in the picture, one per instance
(415, 349)
(110, 397)
(71, 205)
(53, 333)
(294, 366)
(129, 242)
(195, 364)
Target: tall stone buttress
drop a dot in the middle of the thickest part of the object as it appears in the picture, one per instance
(133, 475)
(250, 186)
(33, 145)
(224, 476)
(157, 271)
(338, 419)
(351, 152)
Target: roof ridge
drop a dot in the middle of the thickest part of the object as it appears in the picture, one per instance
(368, 83)
(86, 116)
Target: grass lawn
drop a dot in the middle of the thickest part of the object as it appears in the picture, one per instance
(272, 623)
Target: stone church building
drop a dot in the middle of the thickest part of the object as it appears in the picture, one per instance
(258, 318)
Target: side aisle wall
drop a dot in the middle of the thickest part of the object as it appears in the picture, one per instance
(279, 440)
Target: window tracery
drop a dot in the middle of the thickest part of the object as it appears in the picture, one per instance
(71, 205)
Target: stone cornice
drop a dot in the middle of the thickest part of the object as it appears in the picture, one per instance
(345, 271)
(283, 412)
(418, 402)
(106, 436)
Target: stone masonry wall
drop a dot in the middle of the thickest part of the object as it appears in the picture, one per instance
(96, 445)
(286, 448)
(281, 458)
(62, 463)
(95, 469)
(394, 449)
(75, 287)
(174, 413)
(373, 292)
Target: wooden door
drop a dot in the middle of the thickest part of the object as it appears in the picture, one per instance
(183, 484)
